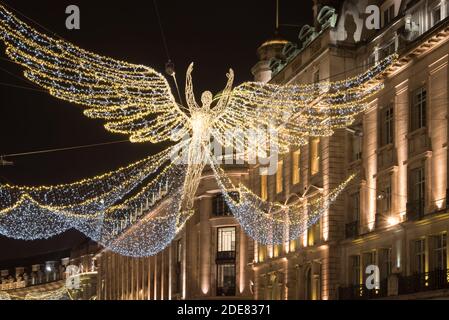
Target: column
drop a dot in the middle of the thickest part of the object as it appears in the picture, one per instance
(205, 240)
(156, 280)
(170, 272)
(242, 263)
(148, 262)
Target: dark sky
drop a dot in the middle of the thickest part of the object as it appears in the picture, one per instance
(216, 35)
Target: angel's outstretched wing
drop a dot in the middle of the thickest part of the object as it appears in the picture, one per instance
(298, 112)
(133, 99)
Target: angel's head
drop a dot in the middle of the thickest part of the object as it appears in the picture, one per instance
(206, 99)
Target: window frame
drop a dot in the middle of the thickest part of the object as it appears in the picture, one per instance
(419, 256)
(355, 204)
(234, 268)
(440, 252)
(436, 8)
(356, 147)
(233, 244)
(356, 269)
(418, 112)
(386, 255)
(388, 15)
(387, 126)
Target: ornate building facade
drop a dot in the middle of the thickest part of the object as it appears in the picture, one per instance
(393, 219)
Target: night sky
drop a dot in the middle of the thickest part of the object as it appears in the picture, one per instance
(216, 35)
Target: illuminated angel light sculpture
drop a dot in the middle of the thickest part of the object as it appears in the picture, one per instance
(137, 101)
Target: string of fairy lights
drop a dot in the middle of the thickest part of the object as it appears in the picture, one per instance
(272, 223)
(138, 210)
(121, 93)
(87, 194)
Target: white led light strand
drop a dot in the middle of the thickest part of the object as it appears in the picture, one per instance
(274, 223)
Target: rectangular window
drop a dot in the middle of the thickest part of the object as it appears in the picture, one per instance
(388, 15)
(440, 252)
(280, 177)
(355, 207)
(226, 280)
(356, 147)
(436, 15)
(387, 126)
(353, 216)
(264, 187)
(296, 167)
(419, 108)
(315, 155)
(386, 199)
(418, 187)
(416, 193)
(355, 270)
(226, 239)
(420, 256)
(369, 258)
(226, 244)
(386, 263)
(314, 234)
(220, 207)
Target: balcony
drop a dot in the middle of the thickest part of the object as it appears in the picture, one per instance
(352, 230)
(420, 282)
(225, 256)
(415, 210)
(360, 292)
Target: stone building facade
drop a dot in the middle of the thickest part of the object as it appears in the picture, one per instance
(208, 259)
(393, 219)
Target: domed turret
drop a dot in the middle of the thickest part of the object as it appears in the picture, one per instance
(272, 48)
